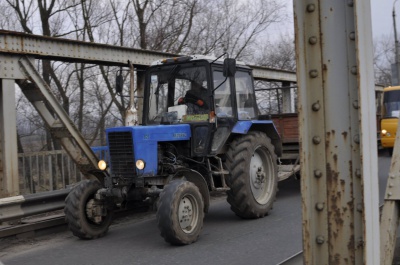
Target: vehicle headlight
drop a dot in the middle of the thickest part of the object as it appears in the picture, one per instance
(140, 164)
(102, 165)
(383, 132)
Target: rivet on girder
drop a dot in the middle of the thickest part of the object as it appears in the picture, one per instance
(320, 240)
(355, 104)
(391, 175)
(317, 173)
(391, 185)
(353, 70)
(352, 35)
(358, 173)
(390, 194)
(313, 73)
(313, 40)
(319, 206)
(316, 106)
(350, 3)
(359, 207)
(316, 140)
(356, 139)
(310, 8)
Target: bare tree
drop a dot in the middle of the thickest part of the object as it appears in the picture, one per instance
(383, 56)
(278, 54)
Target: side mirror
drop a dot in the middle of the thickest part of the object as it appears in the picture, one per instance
(229, 67)
(119, 83)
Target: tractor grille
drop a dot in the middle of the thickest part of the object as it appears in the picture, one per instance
(121, 153)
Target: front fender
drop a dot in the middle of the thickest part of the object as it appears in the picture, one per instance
(195, 177)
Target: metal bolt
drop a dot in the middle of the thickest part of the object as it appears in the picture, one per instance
(352, 35)
(320, 240)
(319, 206)
(359, 207)
(316, 106)
(356, 139)
(391, 176)
(355, 104)
(313, 40)
(353, 70)
(317, 173)
(390, 194)
(391, 185)
(358, 173)
(316, 140)
(313, 73)
(310, 8)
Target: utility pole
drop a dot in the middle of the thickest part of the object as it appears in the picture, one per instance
(396, 68)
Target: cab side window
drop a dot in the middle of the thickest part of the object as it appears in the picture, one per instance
(222, 96)
(245, 96)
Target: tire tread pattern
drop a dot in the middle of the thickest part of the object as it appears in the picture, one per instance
(168, 205)
(75, 211)
(240, 196)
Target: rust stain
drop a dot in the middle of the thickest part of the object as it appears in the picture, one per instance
(345, 135)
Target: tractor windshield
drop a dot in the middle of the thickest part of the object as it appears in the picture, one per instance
(176, 92)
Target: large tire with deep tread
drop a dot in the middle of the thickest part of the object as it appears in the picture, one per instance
(253, 178)
(75, 211)
(180, 212)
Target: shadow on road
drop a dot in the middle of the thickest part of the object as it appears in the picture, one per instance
(288, 188)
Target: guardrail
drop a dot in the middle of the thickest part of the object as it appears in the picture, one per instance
(22, 206)
(50, 170)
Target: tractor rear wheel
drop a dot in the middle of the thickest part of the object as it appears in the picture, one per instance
(86, 217)
(180, 212)
(253, 178)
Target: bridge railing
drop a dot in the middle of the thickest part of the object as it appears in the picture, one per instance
(50, 170)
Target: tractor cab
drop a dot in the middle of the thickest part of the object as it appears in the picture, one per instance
(209, 95)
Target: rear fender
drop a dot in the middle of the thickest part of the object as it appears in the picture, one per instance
(265, 126)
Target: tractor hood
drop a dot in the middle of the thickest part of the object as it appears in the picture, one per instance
(129, 144)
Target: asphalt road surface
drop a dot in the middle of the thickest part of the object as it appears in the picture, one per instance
(225, 239)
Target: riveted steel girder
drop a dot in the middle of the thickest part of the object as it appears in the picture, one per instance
(338, 132)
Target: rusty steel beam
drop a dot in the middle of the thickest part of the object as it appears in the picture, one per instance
(390, 218)
(337, 132)
(57, 120)
(59, 49)
(9, 184)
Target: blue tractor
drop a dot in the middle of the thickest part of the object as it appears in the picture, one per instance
(201, 131)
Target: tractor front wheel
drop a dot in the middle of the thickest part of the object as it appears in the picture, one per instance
(87, 217)
(180, 212)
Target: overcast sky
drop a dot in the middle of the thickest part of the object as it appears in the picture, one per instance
(382, 22)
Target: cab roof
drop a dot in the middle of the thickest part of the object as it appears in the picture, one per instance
(190, 58)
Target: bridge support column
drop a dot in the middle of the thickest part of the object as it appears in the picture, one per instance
(337, 131)
(286, 98)
(9, 181)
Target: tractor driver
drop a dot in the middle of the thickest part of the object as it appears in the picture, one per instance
(195, 99)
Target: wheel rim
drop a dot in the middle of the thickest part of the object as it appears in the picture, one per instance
(188, 213)
(260, 171)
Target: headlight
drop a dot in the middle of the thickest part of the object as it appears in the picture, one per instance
(384, 131)
(140, 164)
(102, 165)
